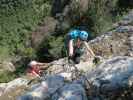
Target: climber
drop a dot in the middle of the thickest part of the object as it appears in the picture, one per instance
(35, 68)
(75, 40)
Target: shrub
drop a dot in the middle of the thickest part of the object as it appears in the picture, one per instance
(99, 12)
(6, 76)
(51, 48)
(18, 18)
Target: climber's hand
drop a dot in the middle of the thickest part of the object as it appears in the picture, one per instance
(70, 60)
(70, 54)
(96, 59)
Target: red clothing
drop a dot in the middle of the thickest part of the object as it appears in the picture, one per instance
(34, 70)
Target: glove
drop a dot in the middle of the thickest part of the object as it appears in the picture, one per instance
(96, 59)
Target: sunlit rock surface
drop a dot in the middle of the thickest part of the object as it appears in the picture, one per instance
(118, 41)
(112, 79)
(55, 88)
(9, 91)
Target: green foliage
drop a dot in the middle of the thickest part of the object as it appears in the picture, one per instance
(100, 13)
(6, 76)
(29, 52)
(17, 19)
(51, 48)
(4, 53)
(20, 70)
(56, 45)
(103, 13)
(9, 7)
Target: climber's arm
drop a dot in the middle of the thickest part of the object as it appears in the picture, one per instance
(89, 49)
(37, 75)
(70, 47)
(41, 64)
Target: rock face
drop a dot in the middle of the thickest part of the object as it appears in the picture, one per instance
(117, 42)
(113, 79)
(62, 65)
(55, 88)
(110, 80)
(8, 91)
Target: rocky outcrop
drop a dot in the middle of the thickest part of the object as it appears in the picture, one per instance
(62, 65)
(9, 91)
(113, 79)
(117, 42)
(58, 75)
(110, 80)
(55, 88)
